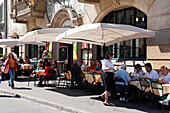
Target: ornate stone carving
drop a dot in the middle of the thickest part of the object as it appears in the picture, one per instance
(116, 2)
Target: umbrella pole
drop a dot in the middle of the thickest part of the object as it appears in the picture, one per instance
(125, 53)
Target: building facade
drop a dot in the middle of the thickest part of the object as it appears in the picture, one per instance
(2, 23)
(147, 14)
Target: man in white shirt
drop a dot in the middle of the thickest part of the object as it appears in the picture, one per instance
(151, 74)
(165, 75)
(81, 65)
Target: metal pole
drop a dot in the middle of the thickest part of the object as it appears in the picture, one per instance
(6, 18)
(6, 22)
(125, 53)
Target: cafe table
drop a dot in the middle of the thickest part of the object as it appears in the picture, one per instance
(90, 79)
(166, 90)
(136, 83)
(26, 66)
(39, 72)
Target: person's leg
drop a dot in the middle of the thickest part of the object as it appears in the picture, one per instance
(129, 90)
(45, 77)
(13, 76)
(106, 96)
(10, 75)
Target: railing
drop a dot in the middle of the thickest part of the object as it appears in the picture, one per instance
(88, 1)
(22, 10)
(22, 13)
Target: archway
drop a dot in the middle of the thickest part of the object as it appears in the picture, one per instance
(136, 48)
(65, 15)
(143, 5)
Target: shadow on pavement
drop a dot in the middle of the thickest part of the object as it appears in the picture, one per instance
(72, 92)
(8, 96)
(134, 105)
(22, 88)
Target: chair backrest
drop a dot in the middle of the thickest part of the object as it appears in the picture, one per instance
(144, 84)
(50, 71)
(156, 85)
(119, 81)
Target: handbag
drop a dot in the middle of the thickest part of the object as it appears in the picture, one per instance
(6, 70)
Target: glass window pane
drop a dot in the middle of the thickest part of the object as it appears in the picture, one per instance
(139, 48)
(101, 51)
(90, 54)
(118, 50)
(129, 17)
(120, 17)
(129, 48)
(141, 20)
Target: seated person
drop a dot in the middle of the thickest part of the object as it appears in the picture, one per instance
(92, 66)
(21, 61)
(138, 71)
(27, 61)
(151, 74)
(125, 76)
(165, 75)
(81, 65)
(54, 66)
(98, 69)
(76, 73)
(2, 63)
(46, 73)
(40, 65)
(4, 75)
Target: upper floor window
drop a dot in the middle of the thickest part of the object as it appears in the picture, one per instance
(135, 48)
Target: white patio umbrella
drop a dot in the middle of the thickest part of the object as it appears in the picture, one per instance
(103, 33)
(9, 42)
(15, 42)
(46, 35)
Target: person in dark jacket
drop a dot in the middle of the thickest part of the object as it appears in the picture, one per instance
(76, 73)
(45, 58)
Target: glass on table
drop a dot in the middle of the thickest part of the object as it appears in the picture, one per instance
(160, 79)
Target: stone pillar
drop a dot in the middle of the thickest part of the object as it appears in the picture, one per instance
(79, 47)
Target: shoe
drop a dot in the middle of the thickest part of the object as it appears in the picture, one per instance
(126, 100)
(12, 87)
(164, 102)
(102, 99)
(121, 99)
(107, 104)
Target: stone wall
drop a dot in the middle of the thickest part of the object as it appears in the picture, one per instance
(158, 50)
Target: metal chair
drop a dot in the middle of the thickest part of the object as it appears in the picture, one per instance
(156, 85)
(34, 77)
(120, 85)
(144, 86)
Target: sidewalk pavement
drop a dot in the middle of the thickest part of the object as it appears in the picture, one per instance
(74, 101)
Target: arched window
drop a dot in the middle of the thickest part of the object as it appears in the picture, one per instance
(136, 48)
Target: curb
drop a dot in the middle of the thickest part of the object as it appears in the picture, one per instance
(44, 102)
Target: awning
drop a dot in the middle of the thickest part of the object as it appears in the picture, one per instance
(103, 33)
(46, 35)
